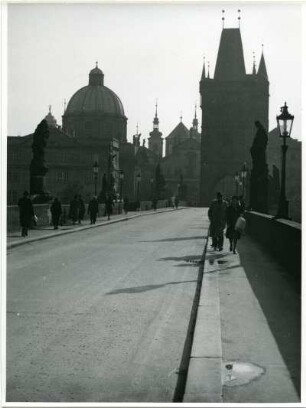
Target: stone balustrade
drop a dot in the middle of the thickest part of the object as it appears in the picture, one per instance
(282, 238)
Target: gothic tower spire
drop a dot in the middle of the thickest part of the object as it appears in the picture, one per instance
(262, 70)
(203, 71)
(230, 62)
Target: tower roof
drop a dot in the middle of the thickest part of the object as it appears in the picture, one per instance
(262, 70)
(230, 61)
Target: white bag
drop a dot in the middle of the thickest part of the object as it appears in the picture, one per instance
(240, 224)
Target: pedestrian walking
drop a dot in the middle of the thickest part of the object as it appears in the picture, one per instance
(109, 206)
(126, 204)
(26, 213)
(176, 202)
(81, 212)
(93, 209)
(217, 218)
(233, 211)
(74, 209)
(241, 203)
(56, 211)
(154, 204)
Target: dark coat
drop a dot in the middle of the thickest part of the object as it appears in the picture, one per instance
(109, 206)
(26, 211)
(74, 208)
(232, 214)
(56, 209)
(93, 206)
(217, 217)
(81, 209)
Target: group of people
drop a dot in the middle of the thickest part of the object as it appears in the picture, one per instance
(223, 214)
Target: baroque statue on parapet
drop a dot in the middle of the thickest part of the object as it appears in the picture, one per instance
(38, 168)
(259, 173)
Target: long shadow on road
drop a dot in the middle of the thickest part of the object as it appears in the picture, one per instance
(139, 289)
(279, 300)
(176, 239)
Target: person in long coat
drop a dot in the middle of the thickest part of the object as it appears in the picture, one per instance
(81, 209)
(26, 213)
(74, 209)
(109, 206)
(233, 211)
(126, 204)
(217, 218)
(56, 211)
(93, 209)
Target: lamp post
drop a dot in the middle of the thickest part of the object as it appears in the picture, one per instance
(95, 169)
(243, 174)
(237, 182)
(284, 124)
(138, 179)
(121, 178)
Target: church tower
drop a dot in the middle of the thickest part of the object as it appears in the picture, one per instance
(231, 102)
(155, 141)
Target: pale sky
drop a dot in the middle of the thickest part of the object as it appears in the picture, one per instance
(147, 52)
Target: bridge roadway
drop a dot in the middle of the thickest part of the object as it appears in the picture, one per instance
(103, 315)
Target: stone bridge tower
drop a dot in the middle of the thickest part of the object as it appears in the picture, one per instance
(231, 101)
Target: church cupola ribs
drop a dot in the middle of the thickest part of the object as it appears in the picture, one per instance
(230, 62)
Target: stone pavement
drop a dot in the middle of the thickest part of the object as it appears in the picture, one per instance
(246, 345)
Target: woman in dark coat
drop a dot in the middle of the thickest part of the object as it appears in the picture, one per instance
(109, 206)
(74, 209)
(56, 211)
(26, 213)
(125, 204)
(81, 209)
(233, 211)
(93, 209)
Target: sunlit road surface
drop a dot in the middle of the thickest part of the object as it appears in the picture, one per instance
(102, 315)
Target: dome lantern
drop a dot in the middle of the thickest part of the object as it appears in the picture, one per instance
(96, 76)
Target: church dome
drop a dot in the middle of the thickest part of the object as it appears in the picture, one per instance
(95, 97)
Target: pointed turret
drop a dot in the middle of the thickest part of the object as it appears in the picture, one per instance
(230, 62)
(262, 70)
(254, 65)
(203, 72)
(155, 120)
(195, 122)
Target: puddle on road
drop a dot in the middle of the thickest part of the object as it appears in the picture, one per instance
(239, 373)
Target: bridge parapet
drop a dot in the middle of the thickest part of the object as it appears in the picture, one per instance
(282, 238)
